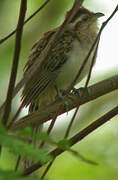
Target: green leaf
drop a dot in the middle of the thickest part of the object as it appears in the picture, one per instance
(27, 150)
(64, 144)
(27, 132)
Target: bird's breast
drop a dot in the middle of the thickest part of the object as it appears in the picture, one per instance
(72, 66)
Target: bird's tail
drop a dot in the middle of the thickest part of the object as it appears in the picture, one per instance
(45, 99)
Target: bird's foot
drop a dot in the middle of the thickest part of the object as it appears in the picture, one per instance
(80, 92)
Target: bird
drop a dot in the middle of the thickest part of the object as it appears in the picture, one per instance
(64, 61)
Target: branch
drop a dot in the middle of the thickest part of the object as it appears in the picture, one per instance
(19, 32)
(95, 91)
(28, 19)
(75, 139)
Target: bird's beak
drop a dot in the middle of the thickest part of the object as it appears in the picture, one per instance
(98, 15)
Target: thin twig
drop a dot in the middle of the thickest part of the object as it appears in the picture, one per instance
(49, 130)
(78, 137)
(28, 19)
(92, 63)
(71, 122)
(19, 32)
(47, 169)
(15, 116)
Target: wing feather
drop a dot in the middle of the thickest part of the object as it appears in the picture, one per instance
(51, 68)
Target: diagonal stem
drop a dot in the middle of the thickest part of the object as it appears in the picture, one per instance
(19, 32)
(28, 19)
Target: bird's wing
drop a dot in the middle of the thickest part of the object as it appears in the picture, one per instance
(50, 69)
(37, 48)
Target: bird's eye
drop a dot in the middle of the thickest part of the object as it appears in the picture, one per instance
(85, 18)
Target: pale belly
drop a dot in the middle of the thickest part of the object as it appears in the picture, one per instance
(73, 65)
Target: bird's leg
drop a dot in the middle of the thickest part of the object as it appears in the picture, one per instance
(60, 95)
(80, 91)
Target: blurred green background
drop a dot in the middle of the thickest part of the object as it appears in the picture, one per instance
(102, 145)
